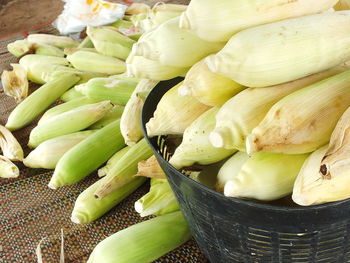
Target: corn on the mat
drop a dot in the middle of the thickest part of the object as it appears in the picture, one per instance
(114, 114)
(196, 147)
(48, 153)
(174, 113)
(276, 175)
(72, 50)
(9, 145)
(57, 41)
(143, 242)
(71, 94)
(112, 161)
(319, 41)
(123, 171)
(87, 156)
(207, 87)
(150, 168)
(160, 199)
(40, 100)
(342, 5)
(304, 120)
(7, 168)
(86, 43)
(15, 82)
(87, 208)
(241, 114)
(23, 47)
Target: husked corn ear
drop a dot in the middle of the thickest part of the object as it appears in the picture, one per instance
(207, 87)
(71, 94)
(218, 21)
(196, 147)
(93, 62)
(150, 168)
(114, 114)
(37, 102)
(174, 113)
(263, 176)
(123, 171)
(87, 156)
(173, 46)
(68, 122)
(15, 82)
(9, 145)
(342, 5)
(57, 41)
(130, 122)
(23, 47)
(87, 208)
(48, 153)
(112, 161)
(304, 120)
(86, 43)
(317, 50)
(160, 200)
(64, 107)
(108, 41)
(240, 115)
(7, 168)
(116, 90)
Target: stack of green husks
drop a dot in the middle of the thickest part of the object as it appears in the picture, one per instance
(265, 100)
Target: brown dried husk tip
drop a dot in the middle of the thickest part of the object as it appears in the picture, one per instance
(150, 168)
(15, 82)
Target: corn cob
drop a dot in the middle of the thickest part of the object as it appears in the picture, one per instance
(108, 41)
(23, 47)
(86, 43)
(87, 208)
(40, 100)
(15, 83)
(48, 153)
(71, 94)
(130, 122)
(317, 50)
(93, 62)
(112, 161)
(143, 242)
(174, 113)
(173, 46)
(7, 168)
(64, 107)
(68, 122)
(277, 173)
(9, 145)
(342, 5)
(87, 156)
(124, 170)
(57, 41)
(114, 114)
(304, 120)
(196, 147)
(241, 114)
(150, 168)
(115, 90)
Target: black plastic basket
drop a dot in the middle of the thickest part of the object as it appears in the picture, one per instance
(234, 230)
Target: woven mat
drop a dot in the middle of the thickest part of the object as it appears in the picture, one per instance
(30, 211)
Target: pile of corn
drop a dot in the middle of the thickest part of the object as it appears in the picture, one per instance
(265, 94)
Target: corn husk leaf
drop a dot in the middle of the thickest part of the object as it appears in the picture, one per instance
(112, 161)
(9, 145)
(342, 5)
(57, 41)
(150, 168)
(7, 168)
(15, 82)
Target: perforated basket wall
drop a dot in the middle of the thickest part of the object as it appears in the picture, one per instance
(233, 230)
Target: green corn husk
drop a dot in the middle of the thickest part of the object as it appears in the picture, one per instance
(31, 60)
(304, 120)
(9, 145)
(342, 5)
(196, 147)
(207, 87)
(93, 62)
(87, 208)
(15, 82)
(64, 107)
(108, 41)
(316, 50)
(123, 171)
(173, 46)
(218, 21)
(276, 175)
(71, 94)
(150, 168)
(143, 242)
(23, 47)
(174, 113)
(112, 161)
(57, 41)
(114, 114)
(128, 29)
(115, 90)
(130, 122)
(68, 122)
(7, 168)
(87, 156)
(48, 153)
(240, 115)
(42, 73)
(72, 50)
(40, 100)
(86, 43)
(137, 8)
(160, 200)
